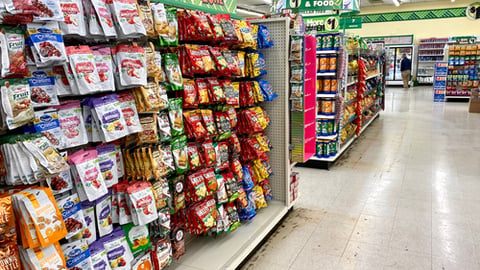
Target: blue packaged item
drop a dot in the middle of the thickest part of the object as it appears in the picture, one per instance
(268, 92)
(247, 181)
(264, 39)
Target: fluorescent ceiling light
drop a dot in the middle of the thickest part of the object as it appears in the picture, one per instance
(248, 12)
(452, 1)
(396, 3)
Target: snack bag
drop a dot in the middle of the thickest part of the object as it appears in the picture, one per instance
(16, 103)
(98, 255)
(14, 62)
(47, 123)
(202, 89)
(108, 113)
(93, 21)
(173, 71)
(105, 17)
(138, 238)
(215, 90)
(127, 18)
(72, 125)
(104, 65)
(193, 156)
(209, 154)
(221, 193)
(209, 123)
(166, 153)
(145, 11)
(130, 61)
(107, 157)
(90, 232)
(77, 255)
(177, 197)
(267, 90)
(74, 18)
(87, 166)
(129, 112)
(164, 130)
(42, 89)
(190, 98)
(44, 258)
(178, 242)
(149, 127)
(176, 116)
(47, 42)
(179, 151)
(196, 187)
(124, 215)
(162, 253)
(166, 24)
(72, 215)
(142, 203)
(84, 68)
(264, 39)
(258, 197)
(45, 154)
(62, 86)
(194, 125)
(118, 252)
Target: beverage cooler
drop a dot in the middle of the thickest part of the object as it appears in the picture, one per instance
(394, 58)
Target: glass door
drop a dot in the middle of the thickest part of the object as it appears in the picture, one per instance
(398, 60)
(390, 54)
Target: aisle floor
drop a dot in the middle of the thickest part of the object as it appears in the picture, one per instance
(405, 196)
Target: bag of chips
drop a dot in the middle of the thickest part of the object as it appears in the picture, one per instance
(173, 71)
(179, 151)
(203, 91)
(176, 116)
(166, 24)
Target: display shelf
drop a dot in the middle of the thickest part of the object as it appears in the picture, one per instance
(367, 107)
(325, 74)
(352, 83)
(323, 116)
(434, 55)
(229, 250)
(372, 76)
(350, 102)
(458, 97)
(348, 140)
(327, 137)
(369, 121)
(431, 49)
(326, 95)
(427, 61)
(350, 119)
(424, 43)
(327, 52)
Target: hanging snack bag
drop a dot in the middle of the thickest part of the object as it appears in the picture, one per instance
(221, 151)
(149, 126)
(130, 61)
(86, 164)
(142, 261)
(228, 29)
(202, 90)
(104, 65)
(196, 188)
(256, 64)
(151, 96)
(162, 253)
(166, 152)
(142, 203)
(98, 255)
(16, 102)
(178, 241)
(193, 156)
(124, 215)
(72, 215)
(166, 24)
(108, 113)
(105, 17)
(108, 164)
(74, 18)
(47, 123)
(90, 232)
(138, 238)
(194, 125)
(14, 63)
(42, 89)
(223, 125)
(234, 144)
(129, 112)
(103, 210)
(173, 71)
(179, 151)
(264, 39)
(177, 198)
(246, 32)
(146, 15)
(72, 125)
(267, 90)
(127, 18)
(232, 95)
(93, 21)
(119, 254)
(43, 258)
(209, 154)
(62, 86)
(164, 130)
(77, 255)
(190, 98)
(218, 35)
(232, 62)
(258, 197)
(84, 68)
(47, 41)
(176, 116)
(216, 91)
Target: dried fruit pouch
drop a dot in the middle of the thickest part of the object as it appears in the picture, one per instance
(124, 215)
(127, 18)
(90, 233)
(45, 154)
(138, 238)
(162, 253)
(176, 116)
(130, 61)
(98, 255)
(74, 18)
(50, 11)
(93, 22)
(103, 211)
(166, 24)
(45, 215)
(16, 102)
(164, 130)
(104, 65)
(50, 257)
(118, 252)
(129, 112)
(173, 71)
(84, 68)
(14, 62)
(72, 125)
(107, 157)
(42, 89)
(143, 261)
(142, 203)
(108, 112)
(47, 41)
(60, 183)
(77, 255)
(72, 214)
(149, 126)
(179, 151)
(105, 17)
(87, 165)
(47, 123)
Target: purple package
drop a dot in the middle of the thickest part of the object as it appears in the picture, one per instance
(103, 210)
(88, 209)
(106, 110)
(107, 158)
(119, 254)
(99, 256)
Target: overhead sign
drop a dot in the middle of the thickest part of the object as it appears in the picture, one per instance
(392, 40)
(210, 6)
(314, 5)
(440, 81)
(473, 11)
(322, 24)
(351, 23)
(463, 39)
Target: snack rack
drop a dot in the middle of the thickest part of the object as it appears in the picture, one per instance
(230, 250)
(430, 50)
(463, 71)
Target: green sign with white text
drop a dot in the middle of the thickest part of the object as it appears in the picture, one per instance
(322, 24)
(314, 5)
(210, 6)
(351, 23)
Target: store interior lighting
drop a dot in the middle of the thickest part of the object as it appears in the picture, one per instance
(396, 3)
(248, 12)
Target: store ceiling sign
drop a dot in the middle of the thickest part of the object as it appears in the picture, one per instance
(351, 23)
(393, 40)
(463, 39)
(210, 6)
(305, 6)
(322, 24)
(473, 11)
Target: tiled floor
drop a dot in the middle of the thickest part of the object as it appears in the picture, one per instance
(406, 196)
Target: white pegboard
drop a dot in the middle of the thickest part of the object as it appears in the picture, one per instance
(276, 59)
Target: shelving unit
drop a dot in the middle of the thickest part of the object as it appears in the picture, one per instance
(429, 51)
(463, 71)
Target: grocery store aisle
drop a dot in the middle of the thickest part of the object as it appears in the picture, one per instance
(405, 196)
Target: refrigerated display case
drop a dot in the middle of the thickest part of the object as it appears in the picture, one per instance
(394, 58)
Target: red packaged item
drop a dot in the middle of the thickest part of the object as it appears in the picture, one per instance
(196, 187)
(190, 97)
(209, 154)
(218, 35)
(215, 90)
(200, 20)
(220, 62)
(232, 62)
(232, 94)
(15, 65)
(202, 90)
(234, 144)
(221, 151)
(194, 157)
(210, 179)
(195, 126)
(232, 116)
(229, 33)
(23, 7)
(199, 60)
(246, 94)
(209, 123)
(236, 168)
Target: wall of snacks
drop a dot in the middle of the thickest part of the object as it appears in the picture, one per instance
(127, 124)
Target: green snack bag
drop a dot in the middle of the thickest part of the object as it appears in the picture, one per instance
(179, 151)
(164, 130)
(173, 71)
(169, 33)
(138, 238)
(175, 113)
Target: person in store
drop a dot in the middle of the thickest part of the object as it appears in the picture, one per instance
(405, 68)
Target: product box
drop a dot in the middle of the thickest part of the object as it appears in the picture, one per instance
(474, 104)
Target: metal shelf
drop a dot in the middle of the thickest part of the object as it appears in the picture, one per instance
(372, 76)
(327, 52)
(369, 122)
(424, 43)
(325, 74)
(432, 55)
(326, 95)
(430, 49)
(327, 137)
(322, 116)
(352, 83)
(458, 97)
